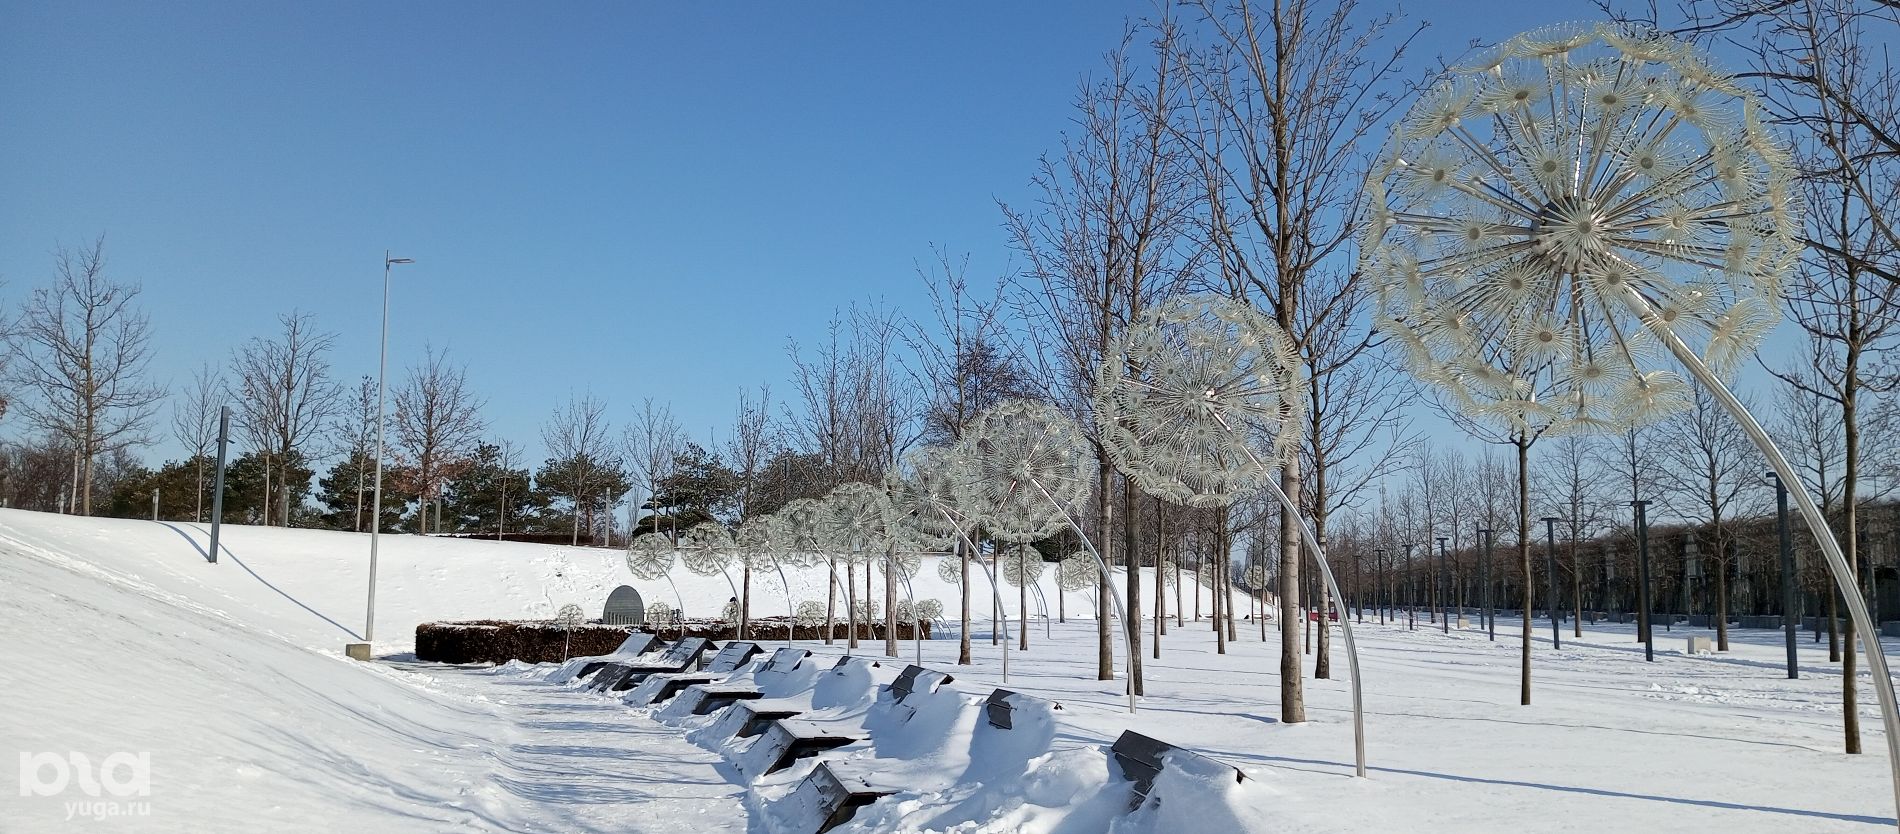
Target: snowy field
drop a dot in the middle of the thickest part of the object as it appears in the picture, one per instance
(121, 638)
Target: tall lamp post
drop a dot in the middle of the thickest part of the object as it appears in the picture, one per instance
(1484, 579)
(376, 508)
(1645, 629)
(1789, 623)
(1550, 575)
(1380, 598)
(1444, 585)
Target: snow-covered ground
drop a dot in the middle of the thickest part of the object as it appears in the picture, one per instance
(119, 637)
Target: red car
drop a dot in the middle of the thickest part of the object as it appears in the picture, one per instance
(1331, 614)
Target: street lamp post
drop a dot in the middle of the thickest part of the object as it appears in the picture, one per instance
(376, 508)
(1550, 575)
(1382, 599)
(1411, 591)
(1444, 585)
(1484, 579)
(1645, 630)
(1788, 621)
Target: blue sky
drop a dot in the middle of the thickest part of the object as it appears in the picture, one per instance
(637, 200)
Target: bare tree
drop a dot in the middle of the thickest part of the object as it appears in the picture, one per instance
(195, 420)
(80, 351)
(354, 433)
(1287, 98)
(959, 366)
(653, 440)
(1571, 484)
(437, 424)
(285, 393)
(750, 449)
(1712, 478)
(1111, 235)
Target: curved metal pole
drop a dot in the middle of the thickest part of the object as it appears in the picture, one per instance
(791, 610)
(1844, 579)
(1042, 607)
(1345, 623)
(1121, 617)
(916, 633)
(996, 594)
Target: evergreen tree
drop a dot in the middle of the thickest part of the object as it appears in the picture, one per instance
(474, 498)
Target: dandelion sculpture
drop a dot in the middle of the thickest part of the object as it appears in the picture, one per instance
(1180, 399)
(756, 547)
(1567, 211)
(1077, 572)
(927, 499)
(857, 523)
(798, 532)
(1022, 570)
(650, 557)
(1025, 466)
(706, 550)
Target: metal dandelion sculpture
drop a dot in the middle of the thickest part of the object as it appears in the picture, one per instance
(1190, 386)
(1551, 218)
(650, 557)
(757, 548)
(1025, 466)
(1565, 214)
(1180, 400)
(856, 523)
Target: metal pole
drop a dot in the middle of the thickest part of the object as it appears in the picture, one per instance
(1645, 628)
(1550, 575)
(154, 503)
(1484, 578)
(1789, 623)
(1444, 585)
(1844, 578)
(217, 487)
(1128, 642)
(376, 508)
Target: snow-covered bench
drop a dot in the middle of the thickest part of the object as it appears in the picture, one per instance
(759, 714)
(705, 698)
(834, 791)
(1000, 708)
(636, 644)
(912, 680)
(1141, 759)
(681, 657)
(789, 739)
(660, 687)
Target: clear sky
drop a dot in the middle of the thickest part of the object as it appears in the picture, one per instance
(630, 199)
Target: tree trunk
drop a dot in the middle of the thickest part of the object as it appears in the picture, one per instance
(963, 637)
(1292, 692)
(745, 599)
(890, 605)
(831, 597)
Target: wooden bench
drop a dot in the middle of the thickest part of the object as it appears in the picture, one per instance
(1142, 759)
(681, 657)
(729, 659)
(706, 698)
